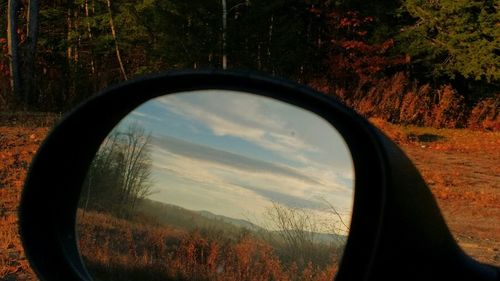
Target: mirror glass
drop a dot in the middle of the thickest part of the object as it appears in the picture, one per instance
(217, 185)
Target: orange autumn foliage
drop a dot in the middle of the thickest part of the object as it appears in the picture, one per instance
(116, 249)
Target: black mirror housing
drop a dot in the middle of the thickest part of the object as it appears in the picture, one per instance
(397, 230)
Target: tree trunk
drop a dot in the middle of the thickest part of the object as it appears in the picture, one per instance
(270, 37)
(224, 30)
(259, 59)
(69, 49)
(78, 39)
(89, 185)
(89, 36)
(69, 80)
(12, 41)
(31, 47)
(269, 43)
(117, 48)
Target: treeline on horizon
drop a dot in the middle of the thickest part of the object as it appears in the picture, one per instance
(430, 63)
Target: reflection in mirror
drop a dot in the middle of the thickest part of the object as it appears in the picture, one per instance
(217, 185)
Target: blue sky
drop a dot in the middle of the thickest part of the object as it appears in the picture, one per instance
(234, 154)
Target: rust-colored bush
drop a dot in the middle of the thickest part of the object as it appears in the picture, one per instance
(397, 100)
(383, 99)
(449, 110)
(485, 115)
(416, 107)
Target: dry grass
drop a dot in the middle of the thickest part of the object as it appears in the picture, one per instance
(400, 100)
(17, 147)
(462, 168)
(10, 259)
(116, 249)
(453, 140)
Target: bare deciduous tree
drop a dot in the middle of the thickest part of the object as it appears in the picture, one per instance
(120, 175)
(296, 229)
(306, 238)
(336, 223)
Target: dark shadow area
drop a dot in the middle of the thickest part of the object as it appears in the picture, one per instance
(425, 137)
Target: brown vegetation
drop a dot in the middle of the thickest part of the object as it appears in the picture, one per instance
(486, 114)
(400, 100)
(17, 147)
(117, 249)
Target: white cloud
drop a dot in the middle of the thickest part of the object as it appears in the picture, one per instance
(240, 185)
(243, 117)
(236, 192)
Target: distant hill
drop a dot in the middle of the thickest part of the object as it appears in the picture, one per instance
(175, 216)
(319, 237)
(236, 222)
(172, 215)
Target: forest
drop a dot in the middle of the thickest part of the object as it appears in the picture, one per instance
(423, 62)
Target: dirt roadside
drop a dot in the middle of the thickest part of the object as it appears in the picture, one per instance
(462, 168)
(18, 145)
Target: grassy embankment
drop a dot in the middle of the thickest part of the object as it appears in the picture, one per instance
(117, 249)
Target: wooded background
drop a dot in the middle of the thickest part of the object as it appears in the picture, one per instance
(424, 62)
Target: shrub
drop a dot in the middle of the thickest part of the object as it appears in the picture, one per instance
(485, 115)
(449, 110)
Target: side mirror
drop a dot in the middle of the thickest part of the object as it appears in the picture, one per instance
(253, 143)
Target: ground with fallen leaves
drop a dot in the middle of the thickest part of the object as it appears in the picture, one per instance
(462, 168)
(18, 145)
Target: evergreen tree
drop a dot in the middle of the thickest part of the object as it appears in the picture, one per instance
(454, 38)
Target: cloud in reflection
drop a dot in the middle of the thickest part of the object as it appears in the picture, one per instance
(239, 162)
(234, 154)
